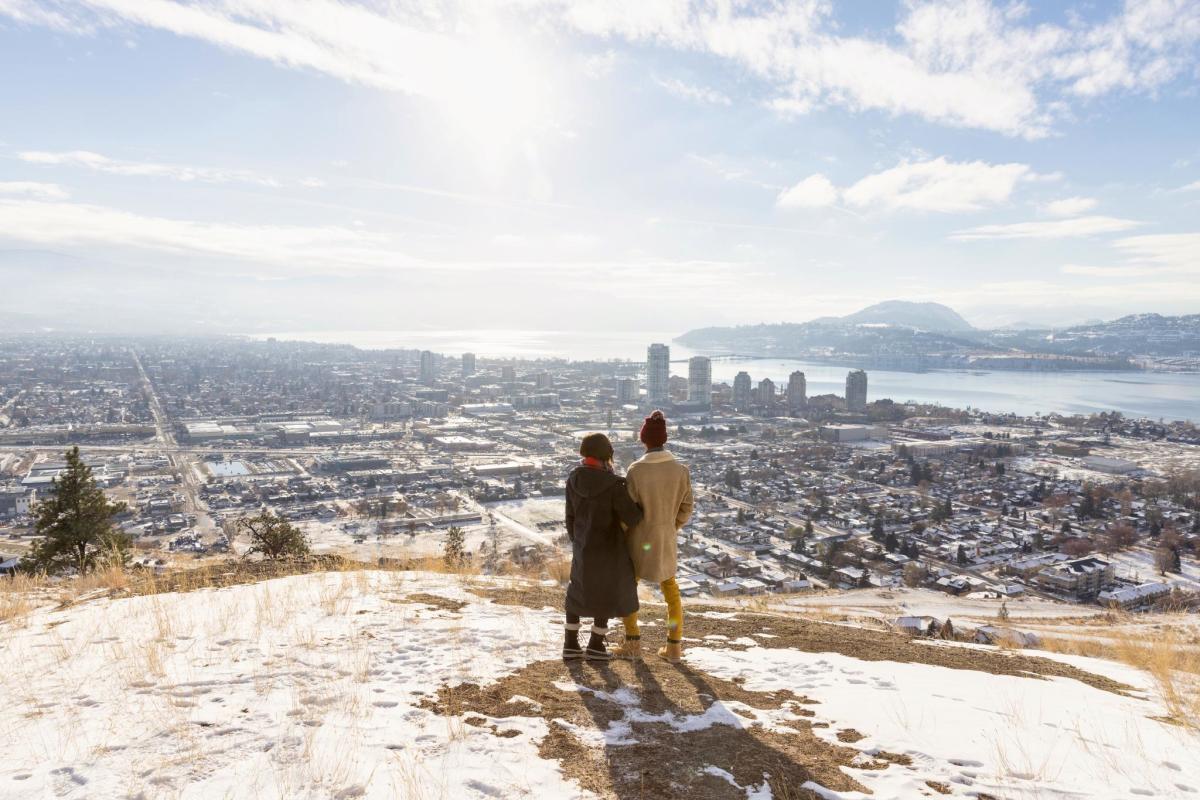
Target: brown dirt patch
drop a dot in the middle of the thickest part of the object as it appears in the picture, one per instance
(443, 603)
(664, 762)
(797, 633)
(939, 787)
(850, 736)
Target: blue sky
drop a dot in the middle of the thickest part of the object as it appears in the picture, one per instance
(250, 165)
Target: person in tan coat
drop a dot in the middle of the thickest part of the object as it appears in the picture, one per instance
(663, 488)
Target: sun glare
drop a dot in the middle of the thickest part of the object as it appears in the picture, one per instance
(497, 99)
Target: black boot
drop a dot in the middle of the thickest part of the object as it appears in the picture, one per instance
(571, 648)
(596, 651)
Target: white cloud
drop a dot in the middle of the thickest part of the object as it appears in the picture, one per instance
(42, 191)
(932, 185)
(600, 65)
(1194, 186)
(1176, 252)
(966, 63)
(938, 185)
(1108, 272)
(815, 191)
(699, 94)
(179, 172)
(1070, 206)
(1150, 255)
(287, 249)
(1051, 229)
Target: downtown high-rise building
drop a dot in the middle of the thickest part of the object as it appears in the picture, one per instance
(627, 391)
(741, 391)
(766, 395)
(856, 390)
(699, 381)
(508, 374)
(797, 393)
(468, 364)
(658, 374)
(429, 367)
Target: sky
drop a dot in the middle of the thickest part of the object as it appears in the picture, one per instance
(260, 165)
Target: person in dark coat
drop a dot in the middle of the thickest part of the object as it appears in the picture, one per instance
(599, 511)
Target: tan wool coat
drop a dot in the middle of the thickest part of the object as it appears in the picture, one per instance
(663, 488)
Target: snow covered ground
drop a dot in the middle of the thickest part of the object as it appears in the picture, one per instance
(887, 604)
(1000, 735)
(1137, 564)
(371, 684)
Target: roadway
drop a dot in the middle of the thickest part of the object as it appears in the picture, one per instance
(165, 443)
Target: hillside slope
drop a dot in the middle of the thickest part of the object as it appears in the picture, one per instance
(416, 685)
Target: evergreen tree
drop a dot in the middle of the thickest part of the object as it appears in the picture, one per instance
(808, 527)
(75, 525)
(891, 543)
(962, 555)
(273, 536)
(877, 529)
(454, 552)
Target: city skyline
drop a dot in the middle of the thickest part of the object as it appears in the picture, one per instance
(437, 165)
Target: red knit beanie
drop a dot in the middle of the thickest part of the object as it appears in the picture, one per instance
(654, 430)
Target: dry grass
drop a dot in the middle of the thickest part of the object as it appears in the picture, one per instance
(1174, 666)
(17, 596)
(1169, 655)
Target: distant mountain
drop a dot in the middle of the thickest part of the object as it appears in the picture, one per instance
(1132, 335)
(903, 335)
(903, 313)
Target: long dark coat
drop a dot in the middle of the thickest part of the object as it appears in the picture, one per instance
(602, 582)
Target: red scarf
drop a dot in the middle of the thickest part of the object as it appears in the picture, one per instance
(593, 463)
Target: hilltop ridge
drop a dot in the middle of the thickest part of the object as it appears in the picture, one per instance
(384, 684)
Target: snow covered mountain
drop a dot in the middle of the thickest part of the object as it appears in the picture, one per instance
(415, 685)
(906, 314)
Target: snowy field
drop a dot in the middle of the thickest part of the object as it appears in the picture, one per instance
(323, 686)
(360, 539)
(887, 604)
(1138, 564)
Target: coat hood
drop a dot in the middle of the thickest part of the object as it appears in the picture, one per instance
(590, 482)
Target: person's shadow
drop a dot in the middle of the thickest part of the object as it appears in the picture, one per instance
(670, 733)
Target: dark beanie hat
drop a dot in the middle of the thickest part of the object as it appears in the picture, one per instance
(654, 430)
(597, 446)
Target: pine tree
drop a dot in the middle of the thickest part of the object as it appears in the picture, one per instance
(75, 525)
(454, 552)
(273, 536)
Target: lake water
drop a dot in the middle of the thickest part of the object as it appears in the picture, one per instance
(1166, 395)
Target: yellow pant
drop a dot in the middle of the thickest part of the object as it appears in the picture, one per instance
(670, 590)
